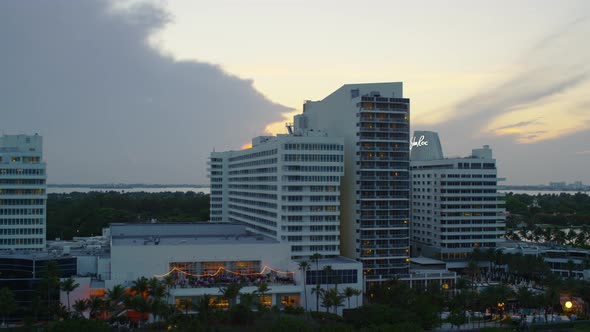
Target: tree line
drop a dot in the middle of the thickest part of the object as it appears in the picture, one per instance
(86, 214)
(555, 209)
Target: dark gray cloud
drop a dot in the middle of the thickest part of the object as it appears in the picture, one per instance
(110, 107)
(519, 124)
(550, 39)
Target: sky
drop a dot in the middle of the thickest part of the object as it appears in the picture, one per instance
(142, 91)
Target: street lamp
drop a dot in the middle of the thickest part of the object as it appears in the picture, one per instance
(501, 309)
(568, 305)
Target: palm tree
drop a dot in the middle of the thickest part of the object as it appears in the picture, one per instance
(498, 258)
(262, 289)
(50, 280)
(348, 293)
(537, 233)
(204, 308)
(513, 235)
(231, 292)
(558, 235)
(473, 269)
(304, 267)
(570, 236)
(115, 296)
(316, 258)
(327, 300)
(580, 240)
(168, 283)
(318, 290)
(490, 256)
(185, 304)
(157, 307)
(80, 306)
(357, 292)
(585, 230)
(547, 234)
(156, 288)
(140, 305)
(248, 299)
(96, 306)
(328, 271)
(140, 286)
(68, 285)
(337, 299)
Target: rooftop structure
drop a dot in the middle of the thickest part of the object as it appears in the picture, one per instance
(184, 234)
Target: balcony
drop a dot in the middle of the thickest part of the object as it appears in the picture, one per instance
(376, 129)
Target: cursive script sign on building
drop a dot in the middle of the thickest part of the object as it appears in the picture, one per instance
(417, 143)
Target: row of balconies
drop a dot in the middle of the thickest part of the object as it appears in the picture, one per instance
(383, 148)
(379, 197)
(391, 137)
(382, 118)
(377, 129)
(498, 232)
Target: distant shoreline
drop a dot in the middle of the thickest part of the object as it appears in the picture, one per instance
(542, 188)
(125, 186)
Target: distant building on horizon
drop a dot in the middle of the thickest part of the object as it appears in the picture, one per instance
(23, 196)
(456, 206)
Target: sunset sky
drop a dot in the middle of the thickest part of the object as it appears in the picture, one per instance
(445, 52)
(511, 74)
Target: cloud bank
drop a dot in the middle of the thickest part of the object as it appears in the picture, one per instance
(543, 94)
(110, 107)
(537, 118)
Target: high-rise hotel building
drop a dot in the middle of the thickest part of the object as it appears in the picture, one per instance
(286, 187)
(23, 194)
(374, 121)
(338, 184)
(456, 206)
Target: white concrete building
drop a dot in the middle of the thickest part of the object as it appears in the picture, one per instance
(23, 194)
(456, 206)
(374, 121)
(286, 187)
(202, 257)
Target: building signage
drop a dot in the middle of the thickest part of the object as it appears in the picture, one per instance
(417, 143)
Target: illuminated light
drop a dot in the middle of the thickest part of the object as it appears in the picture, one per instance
(445, 286)
(221, 269)
(405, 221)
(569, 304)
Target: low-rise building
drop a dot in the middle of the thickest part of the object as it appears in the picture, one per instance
(203, 258)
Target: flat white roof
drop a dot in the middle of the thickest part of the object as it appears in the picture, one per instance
(183, 234)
